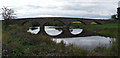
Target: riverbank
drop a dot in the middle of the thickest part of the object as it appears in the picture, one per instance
(17, 42)
(108, 30)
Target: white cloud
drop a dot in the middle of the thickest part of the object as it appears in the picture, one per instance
(71, 8)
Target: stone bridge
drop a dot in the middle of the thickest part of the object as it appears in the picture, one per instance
(66, 21)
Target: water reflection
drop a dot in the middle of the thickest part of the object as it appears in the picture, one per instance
(75, 31)
(53, 30)
(34, 31)
(87, 43)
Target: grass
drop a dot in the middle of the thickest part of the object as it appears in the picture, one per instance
(17, 42)
(76, 25)
(110, 25)
(54, 23)
(108, 30)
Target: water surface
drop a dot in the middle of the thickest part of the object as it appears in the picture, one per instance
(87, 43)
(53, 30)
(35, 31)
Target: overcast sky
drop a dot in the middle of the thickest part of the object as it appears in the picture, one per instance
(62, 8)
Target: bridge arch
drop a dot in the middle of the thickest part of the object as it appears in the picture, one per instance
(93, 23)
(97, 22)
(53, 27)
(82, 22)
(77, 22)
(54, 22)
(30, 26)
(76, 26)
(33, 23)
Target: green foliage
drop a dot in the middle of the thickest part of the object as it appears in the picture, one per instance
(99, 51)
(93, 23)
(31, 24)
(76, 25)
(114, 16)
(77, 22)
(54, 23)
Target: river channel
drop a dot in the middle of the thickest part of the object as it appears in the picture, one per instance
(88, 42)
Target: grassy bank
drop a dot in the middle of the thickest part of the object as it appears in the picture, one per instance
(110, 29)
(17, 42)
(107, 30)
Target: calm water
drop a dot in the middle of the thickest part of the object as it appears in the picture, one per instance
(76, 31)
(50, 30)
(34, 31)
(88, 43)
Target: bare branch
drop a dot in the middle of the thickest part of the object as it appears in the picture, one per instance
(8, 13)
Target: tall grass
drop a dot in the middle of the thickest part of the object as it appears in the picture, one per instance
(17, 42)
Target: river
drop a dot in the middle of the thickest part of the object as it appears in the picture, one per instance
(88, 42)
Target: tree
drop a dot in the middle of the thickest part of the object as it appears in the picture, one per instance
(114, 16)
(8, 13)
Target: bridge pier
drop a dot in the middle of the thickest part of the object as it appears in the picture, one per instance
(42, 30)
(65, 33)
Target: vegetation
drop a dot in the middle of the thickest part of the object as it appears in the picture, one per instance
(76, 25)
(17, 42)
(108, 30)
(105, 29)
(93, 23)
(8, 13)
(54, 23)
(31, 23)
(114, 16)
